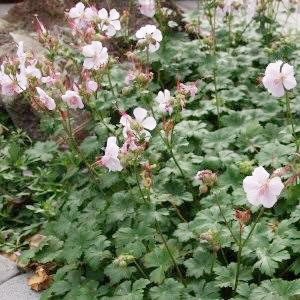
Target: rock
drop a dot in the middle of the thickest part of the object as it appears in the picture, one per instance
(17, 289)
(187, 5)
(23, 116)
(4, 9)
(8, 269)
(30, 41)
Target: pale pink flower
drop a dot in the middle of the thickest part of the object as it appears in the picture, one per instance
(91, 86)
(110, 159)
(140, 125)
(164, 100)
(52, 79)
(45, 99)
(261, 189)
(130, 77)
(149, 37)
(73, 99)
(279, 76)
(131, 143)
(188, 88)
(95, 55)
(10, 85)
(21, 54)
(109, 22)
(147, 8)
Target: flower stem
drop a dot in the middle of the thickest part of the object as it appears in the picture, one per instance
(226, 222)
(72, 142)
(242, 244)
(158, 229)
(290, 119)
(238, 267)
(169, 147)
(140, 268)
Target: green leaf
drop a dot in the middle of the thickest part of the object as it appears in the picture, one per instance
(201, 263)
(42, 151)
(276, 289)
(169, 290)
(270, 257)
(226, 275)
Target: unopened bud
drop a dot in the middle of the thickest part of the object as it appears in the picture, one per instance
(243, 216)
(207, 177)
(245, 167)
(123, 260)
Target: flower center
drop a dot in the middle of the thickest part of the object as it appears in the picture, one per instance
(279, 79)
(73, 100)
(264, 188)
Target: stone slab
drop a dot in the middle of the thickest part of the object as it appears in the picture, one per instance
(8, 269)
(4, 8)
(17, 289)
(187, 5)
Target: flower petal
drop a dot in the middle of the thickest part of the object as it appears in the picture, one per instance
(149, 123)
(251, 185)
(289, 82)
(103, 14)
(275, 186)
(267, 199)
(260, 174)
(114, 15)
(140, 114)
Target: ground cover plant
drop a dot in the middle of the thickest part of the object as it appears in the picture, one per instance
(171, 164)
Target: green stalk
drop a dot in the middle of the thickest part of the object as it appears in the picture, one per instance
(226, 222)
(291, 119)
(140, 268)
(242, 245)
(158, 229)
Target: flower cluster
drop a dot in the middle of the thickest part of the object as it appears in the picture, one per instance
(135, 132)
(88, 19)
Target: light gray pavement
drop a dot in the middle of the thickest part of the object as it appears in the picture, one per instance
(16, 288)
(13, 284)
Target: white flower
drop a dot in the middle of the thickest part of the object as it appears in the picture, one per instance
(72, 99)
(45, 99)
(138, 125)
(165, 101)
(261, 189)
(109, 23)
(147, 8)
(80, 16)
(279, 77)
(21, 54)
(77, 11)
(91, 14)
(110, 159)
(149, 37)
(95, 55)
(33, 71)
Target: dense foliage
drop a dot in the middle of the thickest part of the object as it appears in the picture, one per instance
(153, 230)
